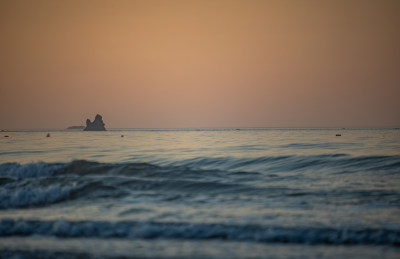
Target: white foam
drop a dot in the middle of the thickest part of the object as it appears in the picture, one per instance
(30, 196)
(29, 170)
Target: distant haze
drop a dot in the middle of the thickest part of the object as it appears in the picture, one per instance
(171, 64)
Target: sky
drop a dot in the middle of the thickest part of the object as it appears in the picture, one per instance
(188, 64)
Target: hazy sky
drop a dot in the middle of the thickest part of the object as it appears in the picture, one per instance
(199, 63)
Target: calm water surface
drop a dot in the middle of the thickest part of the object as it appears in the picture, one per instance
(215, 193)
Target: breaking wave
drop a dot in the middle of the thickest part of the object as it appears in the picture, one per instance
(295, 163)
(42, 184)
(29, 170)
(29, 196)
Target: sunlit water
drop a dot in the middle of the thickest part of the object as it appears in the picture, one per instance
(226, 193)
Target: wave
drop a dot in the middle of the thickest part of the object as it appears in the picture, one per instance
(29, 196)
(184, 190)
(296, 163)
(43, 184)
(196, 231)
(109, 188)
(29, 170)
(289, 163)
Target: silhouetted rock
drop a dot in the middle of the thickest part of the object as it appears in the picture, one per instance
(96, 125)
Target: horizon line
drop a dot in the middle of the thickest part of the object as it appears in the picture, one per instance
(213, 128)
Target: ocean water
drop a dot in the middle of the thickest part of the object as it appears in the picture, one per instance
(200, 193)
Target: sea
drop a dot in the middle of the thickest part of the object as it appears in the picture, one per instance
(200, 193)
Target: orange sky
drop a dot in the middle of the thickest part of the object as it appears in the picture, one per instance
(199, 63)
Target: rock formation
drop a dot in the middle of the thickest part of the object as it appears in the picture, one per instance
(96, 125)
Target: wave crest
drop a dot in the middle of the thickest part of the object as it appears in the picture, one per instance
(30, 196)
(29, 170)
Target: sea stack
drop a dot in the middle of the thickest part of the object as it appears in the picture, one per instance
(96, 125)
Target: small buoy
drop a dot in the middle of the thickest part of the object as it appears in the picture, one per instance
(338, 135)
(122, 136)
(48, 135)
(6, 136)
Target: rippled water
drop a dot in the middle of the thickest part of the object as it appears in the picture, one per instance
(216, 193)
